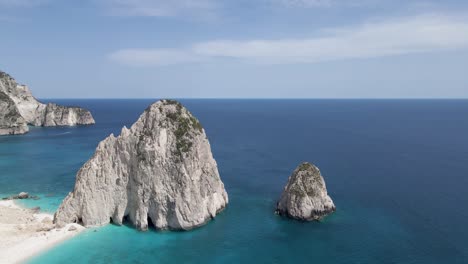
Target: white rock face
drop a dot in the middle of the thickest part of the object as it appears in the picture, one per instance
(11, 121)
(20, 108)
(305, 195)
(160, 170)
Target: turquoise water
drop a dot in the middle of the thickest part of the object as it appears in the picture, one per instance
(396, 169)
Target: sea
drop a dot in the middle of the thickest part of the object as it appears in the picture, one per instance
(397, 171)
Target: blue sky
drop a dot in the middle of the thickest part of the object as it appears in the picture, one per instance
(237, 49)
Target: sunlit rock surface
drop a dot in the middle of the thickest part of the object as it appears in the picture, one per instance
(161, 170)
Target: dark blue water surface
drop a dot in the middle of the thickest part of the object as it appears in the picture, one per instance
(396, 169)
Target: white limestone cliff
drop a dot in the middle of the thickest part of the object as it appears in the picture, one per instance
(305, 196)
(20, 108)
(160, 171)
(11, 121)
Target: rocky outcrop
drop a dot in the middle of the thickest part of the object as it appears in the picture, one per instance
(57, 115)
(21, 195)
(305, 195)
(19, 109)
(160, 171)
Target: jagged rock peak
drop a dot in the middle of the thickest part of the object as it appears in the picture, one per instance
(19, 108)
(160, 171)
(305, 196)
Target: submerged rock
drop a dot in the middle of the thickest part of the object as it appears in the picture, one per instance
(160, 171)
(19, 108)
(305, 195)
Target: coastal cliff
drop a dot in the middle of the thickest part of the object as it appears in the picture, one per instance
(19, 109)
(160, 171)
(305, 196)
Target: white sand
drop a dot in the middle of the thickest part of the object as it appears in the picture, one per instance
(24, 233)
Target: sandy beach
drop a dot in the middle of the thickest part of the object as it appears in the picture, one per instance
(25, 233)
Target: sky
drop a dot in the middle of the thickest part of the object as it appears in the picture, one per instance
(237, 48)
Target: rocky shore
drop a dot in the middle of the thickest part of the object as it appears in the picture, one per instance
(25, 232)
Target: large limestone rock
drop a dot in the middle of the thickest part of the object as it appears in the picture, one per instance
(305, 195)
(160, 171)
(19, 108)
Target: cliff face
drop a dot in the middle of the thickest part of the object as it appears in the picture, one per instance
(160, 170)
(11, 121)
(305, 196)
(32, 112)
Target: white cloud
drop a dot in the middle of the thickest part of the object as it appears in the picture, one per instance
(156, 8)
(154, 57)
(425, 33)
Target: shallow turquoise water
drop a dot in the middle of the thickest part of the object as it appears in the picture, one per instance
(395, 169)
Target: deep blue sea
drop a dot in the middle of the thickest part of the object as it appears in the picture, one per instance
(397, 171)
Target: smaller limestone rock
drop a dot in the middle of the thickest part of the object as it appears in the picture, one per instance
(305, 196)
(72, 228)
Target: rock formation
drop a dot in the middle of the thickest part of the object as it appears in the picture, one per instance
(305, 195)
(160, 171)
(21, 195)
(19, 108)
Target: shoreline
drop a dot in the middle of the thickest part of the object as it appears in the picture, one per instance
(25, 233)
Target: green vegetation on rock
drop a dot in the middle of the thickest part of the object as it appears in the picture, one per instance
(185, 124)
(305, 166)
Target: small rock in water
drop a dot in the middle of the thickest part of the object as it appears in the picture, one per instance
(305, 196)
(23, 195)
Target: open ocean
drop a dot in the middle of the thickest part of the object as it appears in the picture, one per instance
(397, 171)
